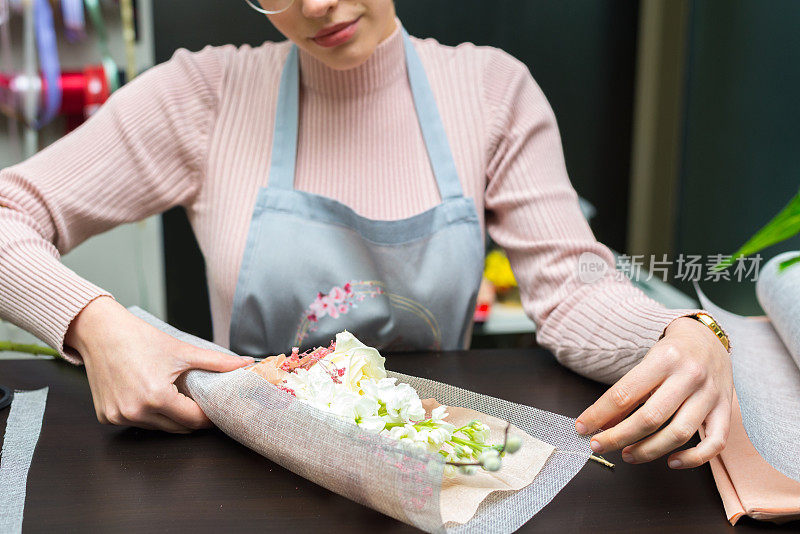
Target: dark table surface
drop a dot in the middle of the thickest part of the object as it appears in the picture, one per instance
(89, 477)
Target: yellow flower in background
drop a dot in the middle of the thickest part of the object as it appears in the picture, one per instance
(498, 270)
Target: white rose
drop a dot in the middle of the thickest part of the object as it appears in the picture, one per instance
(359, 360)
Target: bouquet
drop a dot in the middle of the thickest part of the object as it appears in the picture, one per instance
(431, 455)
(349, 380)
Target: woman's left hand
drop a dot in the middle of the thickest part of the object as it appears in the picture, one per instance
(686, 376)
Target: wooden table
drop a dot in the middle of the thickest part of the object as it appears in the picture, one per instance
(89, 477)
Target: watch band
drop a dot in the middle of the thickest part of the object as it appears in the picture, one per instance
(709, 321)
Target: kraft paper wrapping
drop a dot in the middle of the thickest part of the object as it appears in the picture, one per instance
(461, 495)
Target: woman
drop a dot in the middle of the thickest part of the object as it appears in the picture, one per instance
(340, 179)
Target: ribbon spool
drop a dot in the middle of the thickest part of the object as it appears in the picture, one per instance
(74, 22)
(112, 72)
(83, 92)
(48, 60)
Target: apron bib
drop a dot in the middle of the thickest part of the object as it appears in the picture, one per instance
(313, 267)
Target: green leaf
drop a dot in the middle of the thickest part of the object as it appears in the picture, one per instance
(784, 225)
(786, 263)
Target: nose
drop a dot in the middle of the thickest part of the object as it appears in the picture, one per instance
(318, 8)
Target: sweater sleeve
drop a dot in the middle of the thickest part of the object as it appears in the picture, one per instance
(141, 153)
(599, 327)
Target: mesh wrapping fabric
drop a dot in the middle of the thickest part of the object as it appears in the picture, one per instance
(765, 356)
(371, 469)
(19, 443)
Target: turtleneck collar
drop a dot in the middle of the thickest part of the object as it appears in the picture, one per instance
(381, 69)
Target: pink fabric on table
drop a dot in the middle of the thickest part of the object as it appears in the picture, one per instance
(196, 131)
(747, 484)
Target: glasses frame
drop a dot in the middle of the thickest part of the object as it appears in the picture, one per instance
(266, 11)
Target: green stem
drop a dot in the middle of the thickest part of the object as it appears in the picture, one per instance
(29, 349)
(426, 423)
(471, 444)
(393, 425)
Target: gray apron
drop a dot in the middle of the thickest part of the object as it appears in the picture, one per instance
(313, 267)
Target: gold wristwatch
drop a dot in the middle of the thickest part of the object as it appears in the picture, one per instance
(709, 321)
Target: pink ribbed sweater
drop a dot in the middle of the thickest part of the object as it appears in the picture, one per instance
(196, 131)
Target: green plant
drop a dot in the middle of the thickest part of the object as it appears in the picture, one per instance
(27, 348)
(784, 225)
(30, 349)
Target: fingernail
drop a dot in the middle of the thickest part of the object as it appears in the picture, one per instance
(595, 446)
(675, 464)
(249, 359)
(627, 457)
(580, 427)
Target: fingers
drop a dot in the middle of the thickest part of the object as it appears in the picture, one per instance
(141, 419)
(184, 411)
(157, 421)
(684, 424)
(155, 409)
(717, 426)
(614, 421)
(666, 399)
(211, 360)
(622, 397)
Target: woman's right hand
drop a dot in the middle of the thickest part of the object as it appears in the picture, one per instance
(132, 368)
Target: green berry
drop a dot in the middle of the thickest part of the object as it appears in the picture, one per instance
(513, 443)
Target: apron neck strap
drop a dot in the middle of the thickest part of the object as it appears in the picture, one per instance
(284, 135)
(284, 139)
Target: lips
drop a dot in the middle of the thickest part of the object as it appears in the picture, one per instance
(336, 34)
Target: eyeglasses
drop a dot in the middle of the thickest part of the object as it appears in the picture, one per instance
(271, 7)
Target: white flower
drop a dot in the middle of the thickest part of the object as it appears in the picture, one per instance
(371, 424)
(366, 415)
(366, 407)
(406, 431)
(307, 385)
(351, 384)
(462, 453)
(439, 413)
(438, 436)
(403, 404)
(380, 390)
(342, 403)
(358, 360)
(479, 431)
(482, 431)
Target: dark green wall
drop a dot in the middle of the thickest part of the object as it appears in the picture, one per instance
(742, 129)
